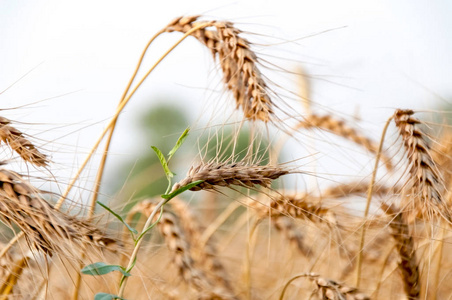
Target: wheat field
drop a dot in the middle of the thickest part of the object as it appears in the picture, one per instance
(243, 224)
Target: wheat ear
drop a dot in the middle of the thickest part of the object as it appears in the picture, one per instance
(328, 289)
(180, 249)
(226, 175)
(425, 185)
(43, 226)
(287, 227)
(207, 252)
(238, 63)
(294, 206)
(340, 128)
(358, 188)
(408, 265)
(16, 140)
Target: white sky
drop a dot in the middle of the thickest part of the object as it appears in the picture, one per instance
(382, 55)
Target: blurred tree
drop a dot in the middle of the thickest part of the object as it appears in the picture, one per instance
(160, 127)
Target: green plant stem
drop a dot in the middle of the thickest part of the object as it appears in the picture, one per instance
(369, 199)
(100, 171)
(138, 244)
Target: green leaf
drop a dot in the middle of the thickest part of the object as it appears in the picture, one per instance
(101, 268)
(105, 296)
(163, 162)
(181, 190)
(179, 143)
(131, 229)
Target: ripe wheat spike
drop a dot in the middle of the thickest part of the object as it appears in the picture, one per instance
(238, 63)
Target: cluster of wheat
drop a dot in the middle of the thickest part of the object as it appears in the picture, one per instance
(244, 237)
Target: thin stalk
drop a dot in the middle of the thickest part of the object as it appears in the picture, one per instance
(138, 244)
(10, 282)
(281, 297)
(11, 243)
(369, 199)
(213, 227)
(100, 171)
(119, 110)
(385, 263)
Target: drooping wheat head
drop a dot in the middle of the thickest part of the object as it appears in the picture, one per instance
(238, 63)
(425, 185)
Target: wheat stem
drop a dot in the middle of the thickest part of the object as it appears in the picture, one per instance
(368, 201)
(101, 168)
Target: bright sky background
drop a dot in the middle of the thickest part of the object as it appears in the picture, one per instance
(374, 56)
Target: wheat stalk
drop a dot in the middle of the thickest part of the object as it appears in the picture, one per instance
(238, 63)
